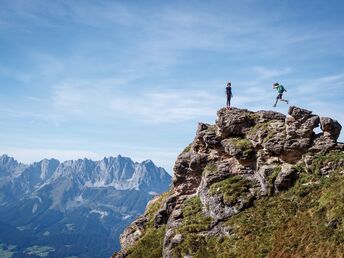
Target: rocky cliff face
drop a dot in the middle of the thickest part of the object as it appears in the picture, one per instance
(254, 184)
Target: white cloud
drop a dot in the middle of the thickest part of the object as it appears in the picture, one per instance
(168, 106)
(45, 14)
(267, 73)
(329, 84)
(159, 43)
(99, 98)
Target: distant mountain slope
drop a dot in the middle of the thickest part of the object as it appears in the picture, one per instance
(74, 208)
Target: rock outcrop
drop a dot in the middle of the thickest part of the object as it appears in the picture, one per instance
(229, 167)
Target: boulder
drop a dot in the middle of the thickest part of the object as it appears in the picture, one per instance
(286, 178)
(299, 113)
(299, 128)
(132, 233)
(330, 127)
(234, 122)
(242, 149)
(270, 115)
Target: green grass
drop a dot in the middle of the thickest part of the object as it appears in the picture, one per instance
(264, 127)
(267, 131)
(210, 168)
(154, 207)
(194, 222)
(244, 145)
(193, 218)
(305, 221)
(233, 189)
(271, 179)
(322, 160)
(291, 224)
(150, 244)
(253, 116)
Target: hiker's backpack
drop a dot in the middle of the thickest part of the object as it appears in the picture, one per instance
(281, 89)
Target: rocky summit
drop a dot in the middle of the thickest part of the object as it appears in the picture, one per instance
(254, 184)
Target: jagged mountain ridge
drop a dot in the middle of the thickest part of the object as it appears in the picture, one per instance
(120, 172)
(255, 184)
(83, 194)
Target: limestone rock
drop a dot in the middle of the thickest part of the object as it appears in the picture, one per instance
(243, 157)
(330, 127)
(234, 122)
(130, 235)
(299, 128)
(285, 178)
(270, 115)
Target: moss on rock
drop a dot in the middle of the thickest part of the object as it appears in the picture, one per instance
(244, 145)
(194, 222)
(271, 179)
(289, 224)
(151, 243)
(322, 160)
(210, 168)
(233, 189)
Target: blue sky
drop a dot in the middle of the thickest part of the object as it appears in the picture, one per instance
(101, 78)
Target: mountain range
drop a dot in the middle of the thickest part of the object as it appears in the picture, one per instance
(75, 208)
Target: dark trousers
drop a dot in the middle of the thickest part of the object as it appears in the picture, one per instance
(280, 97)
(229, 100)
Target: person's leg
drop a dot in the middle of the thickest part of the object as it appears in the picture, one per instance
(277, 98)
(285, 100)
(228, 102)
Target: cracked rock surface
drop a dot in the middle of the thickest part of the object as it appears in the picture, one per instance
(244, 157)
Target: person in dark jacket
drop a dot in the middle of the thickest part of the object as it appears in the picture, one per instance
(229, 94)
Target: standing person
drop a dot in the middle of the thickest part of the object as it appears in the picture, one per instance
(280, 89)
(229, 94)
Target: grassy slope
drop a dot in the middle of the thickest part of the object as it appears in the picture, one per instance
(305, 221)
(150, 245)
